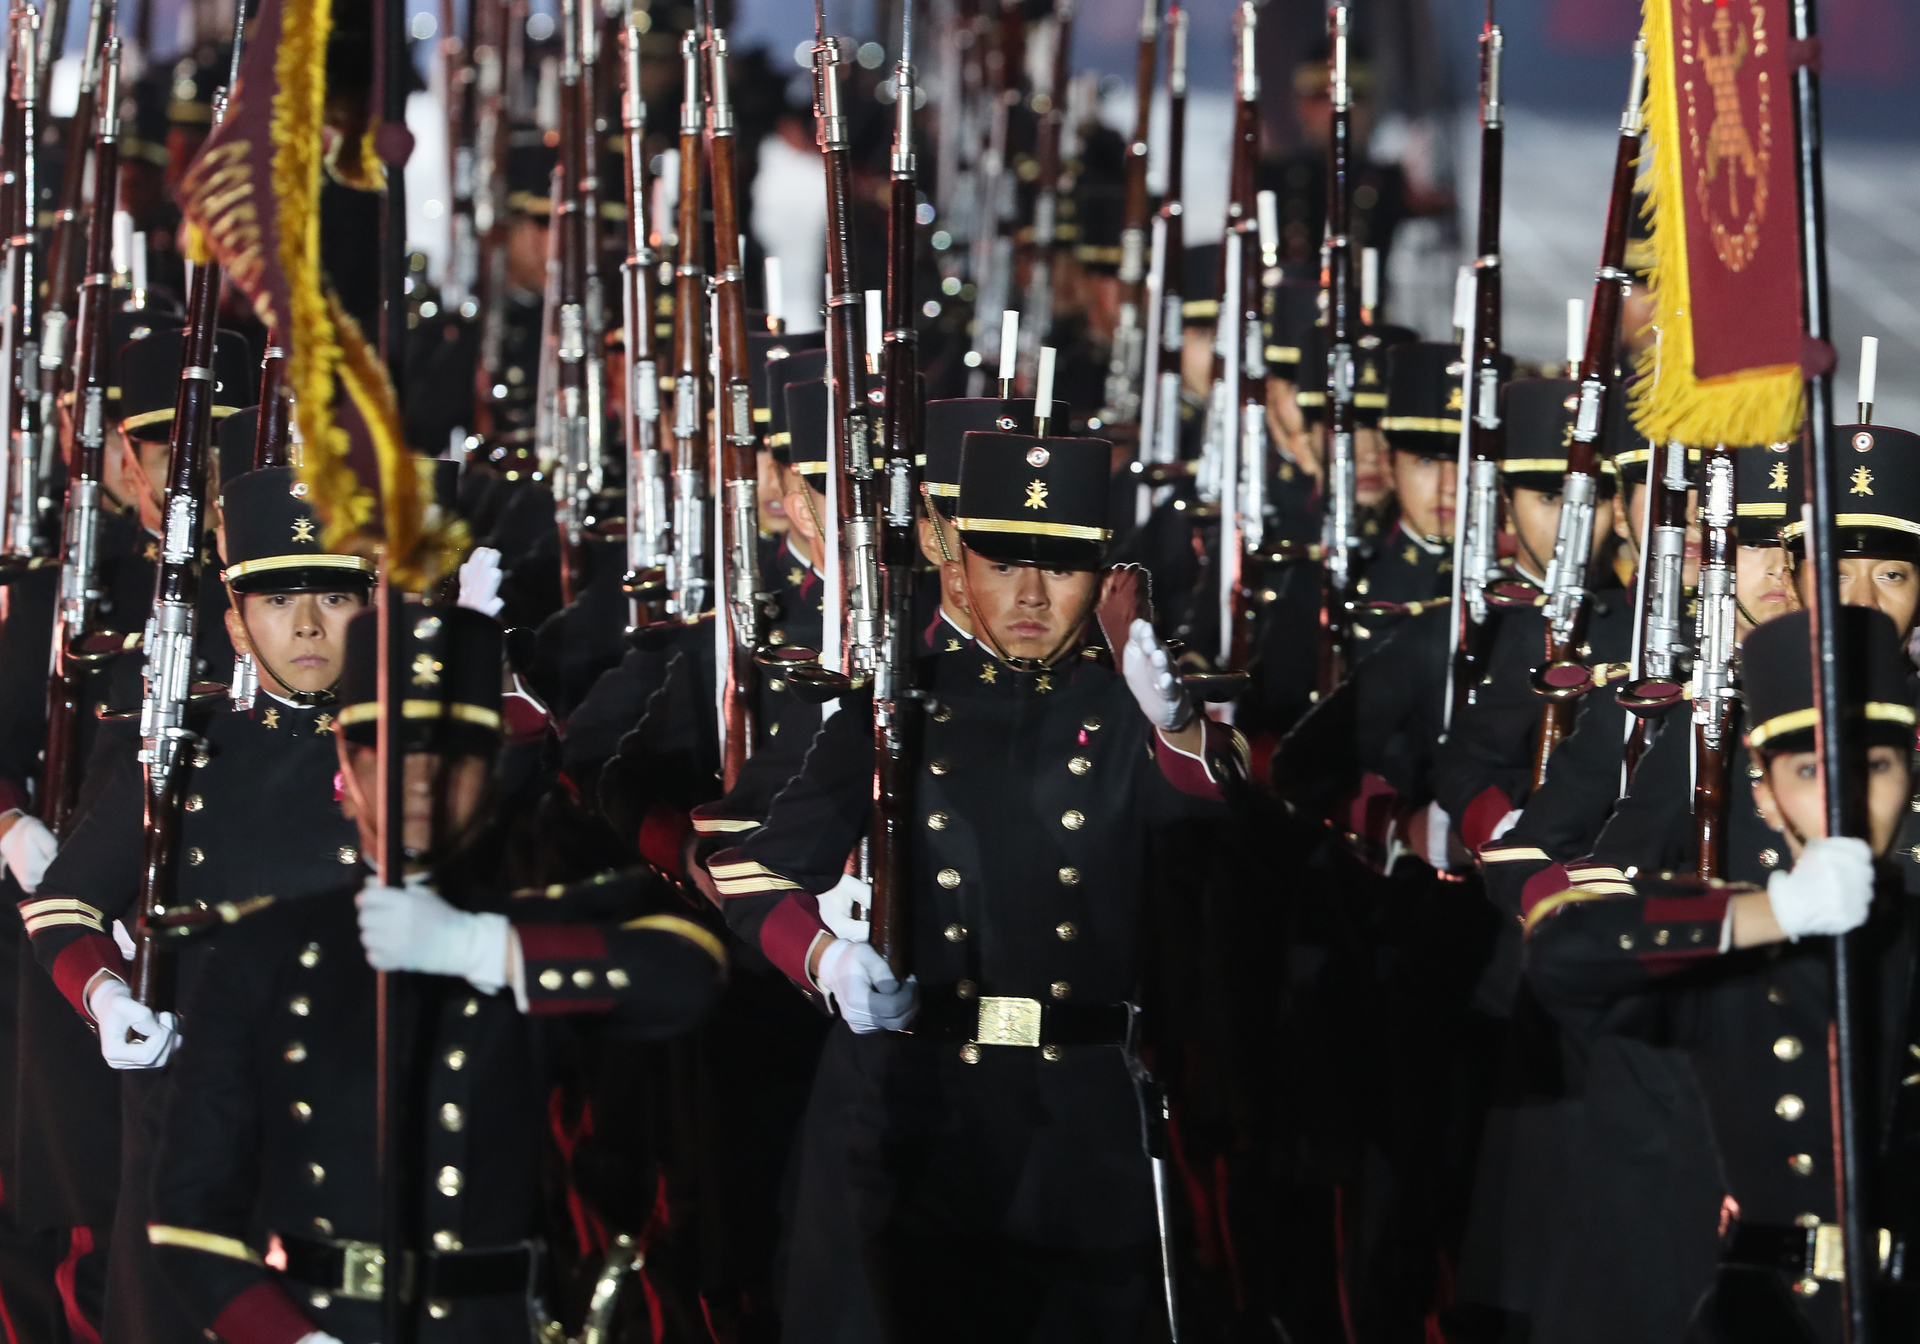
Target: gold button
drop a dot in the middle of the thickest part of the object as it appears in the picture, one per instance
(471, 1007)
(1065, 931)
(456, 1060)
(439, 1308)
(444, 1240)
(302, 1112)
(1072, 819)
(956, 934)
(300, 1006)
(1787, 1048)
(948, 878)
(1776, 995)
(324, 1226)
(776, 686)
(1049, 1052)
(1079, 765)
(1626, 941)
(936, 821)
(452, 1118)
(296, 1053)
(1789, 1107)
(1806, 1287)
(320, 1301)
(943, 713)
(617, 979)
(310, 955)
(347, 854)
(965, 989)
(551, 979)
(316, 1173)
(448, 1181)
(1769, 857)
(1059, 989)
(1807, 1220)
(1660, 937)
(583, 978)
(777, 637)
(1802, 1164)
(1091, 723)
(970, 1053)
(1069, 877)
(938, 767)
(196, 855)
(195, 802)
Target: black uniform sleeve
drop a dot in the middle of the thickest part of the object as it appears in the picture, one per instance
(1652, 826)
(25, 637)
(1484, 769)
(1566, 814)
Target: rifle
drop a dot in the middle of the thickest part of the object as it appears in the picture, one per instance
(1562, 680)
(1659, 654)
(167, 745)
(896, 704)
(1339, 532)
(852, 625)
(1476, 560)
(649, 517)
(273, 431)
(1713, 692)
(687, 578)
(1129, 349)
(1038, 301)
(1241, 377)
(67, 241)
(31, 527)
(1160, 388)
(80, 586)
(569, 420)
(461, 78)
(493, 43)
(740, 519)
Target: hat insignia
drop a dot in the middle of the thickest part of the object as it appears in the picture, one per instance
(1004, 422)
(1037, 457)
(303, 529)
(1777, 478)
(1369, 376)
(1453, 397)
(1862, 482)
(426, 670)
(1036, 495)
(1862, 441)
(299, 490)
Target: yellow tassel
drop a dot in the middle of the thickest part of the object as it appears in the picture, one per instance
(1761, 405)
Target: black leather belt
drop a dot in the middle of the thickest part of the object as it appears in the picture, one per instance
(1810, 1252)
(999, 1020)
(356, 1270)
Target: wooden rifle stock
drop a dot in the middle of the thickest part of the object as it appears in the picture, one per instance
(1240, 360)
(1714, 647)
(273, 431)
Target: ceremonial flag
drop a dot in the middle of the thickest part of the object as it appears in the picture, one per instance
(1719, 179)
(251, 197)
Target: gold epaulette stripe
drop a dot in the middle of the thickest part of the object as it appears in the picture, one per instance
(192, 1239)
(1560, 901)
(683, 928)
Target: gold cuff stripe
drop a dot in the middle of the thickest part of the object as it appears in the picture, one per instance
(1793, 530)
(314, 560)
(422, 709)
(1519, 854)
(683, 928)
(146, 418)
(942, 489)
(54, 921)
(722, 825)
(1418, 424)
(1876, 712)
(1559, 902)
(1070, 531)
(192, 1239)
(1283, 354)
(46, 905)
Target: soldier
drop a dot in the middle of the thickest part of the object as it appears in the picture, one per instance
(1001, 1139)
(264, 1202)
(1722, 972)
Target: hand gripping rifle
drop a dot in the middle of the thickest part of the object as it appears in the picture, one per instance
(1129, 349)
(31, 527)
(649, 511)
(1339, 532)
(1160, 387)
(1037, 303)
(80, 591)
(687, 578)
(853, 619)
(1562, 680)
(573, 455)
(740, 516)
(166, 744)
(1477, 563)
(896, 703)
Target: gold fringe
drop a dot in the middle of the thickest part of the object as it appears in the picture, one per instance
(1762, 405)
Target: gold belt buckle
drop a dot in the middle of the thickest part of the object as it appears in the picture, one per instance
(362, 1271)
(1829, 1252)
(1007, 1021)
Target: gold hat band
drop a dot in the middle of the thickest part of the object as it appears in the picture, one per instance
(1070, 531)
(315, 560)
(422, 709)
(1876, 711)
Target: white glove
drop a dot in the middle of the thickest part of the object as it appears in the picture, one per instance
(411, 929)
(863, 988)
(480, 582)
(836, 909)
(1151, 678)
(26, 849)
(132, 1036)
(1827, 891)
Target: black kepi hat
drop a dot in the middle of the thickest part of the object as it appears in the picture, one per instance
(1877, 487)
(1031, 501)
(271, 538)
(1766, 489)
(1536, 416)
(1425, 394)
(149, 371)
(797, 366)
(948, 423)
(451, 688)
(1776, 675)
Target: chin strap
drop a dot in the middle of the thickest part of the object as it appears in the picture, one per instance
(984, 632)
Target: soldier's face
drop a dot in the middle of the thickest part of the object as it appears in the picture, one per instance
(1790, 798)
(527, 253)
(771, 493)
(1763, 585)
(1425, 486)
(1892, 586)
(298, 639)
(1372, 473)
(1196, 360)
(442, 794)
(1028, 612)
(1535, 518)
